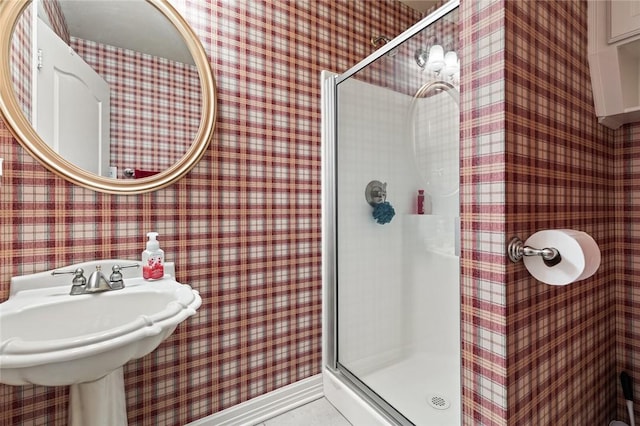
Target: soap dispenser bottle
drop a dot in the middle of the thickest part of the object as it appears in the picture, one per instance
(152, 259)
(420, 201)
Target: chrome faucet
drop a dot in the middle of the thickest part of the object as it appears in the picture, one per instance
(97, 282)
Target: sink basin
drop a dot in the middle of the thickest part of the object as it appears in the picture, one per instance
(50, 338)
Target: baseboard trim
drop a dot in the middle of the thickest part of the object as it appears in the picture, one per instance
(266, 406)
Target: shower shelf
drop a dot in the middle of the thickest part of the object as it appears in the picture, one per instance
(445, 253)
(434, 233)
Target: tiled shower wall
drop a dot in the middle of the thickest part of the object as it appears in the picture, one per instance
(243, 226)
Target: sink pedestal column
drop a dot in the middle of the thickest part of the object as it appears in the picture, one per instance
(99, 403)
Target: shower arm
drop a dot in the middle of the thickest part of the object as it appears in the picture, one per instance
(376, 40)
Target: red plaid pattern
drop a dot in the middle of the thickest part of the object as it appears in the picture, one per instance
(534, 157)
(155, 105)
(21, 61)
(243, 226)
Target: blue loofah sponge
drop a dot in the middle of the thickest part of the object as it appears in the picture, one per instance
(383, 213)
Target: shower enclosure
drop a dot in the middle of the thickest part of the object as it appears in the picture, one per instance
(391, 230)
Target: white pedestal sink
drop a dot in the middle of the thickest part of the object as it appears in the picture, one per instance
(99, 403)
(50, 338)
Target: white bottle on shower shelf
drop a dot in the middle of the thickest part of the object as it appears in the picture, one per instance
(152, 259)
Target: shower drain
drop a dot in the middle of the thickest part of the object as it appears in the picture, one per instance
(438, 402)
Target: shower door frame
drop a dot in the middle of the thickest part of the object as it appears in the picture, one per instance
(330, 225)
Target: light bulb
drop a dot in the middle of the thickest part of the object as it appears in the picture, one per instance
(450, 64)
(436, 58)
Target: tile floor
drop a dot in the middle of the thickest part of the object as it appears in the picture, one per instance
(316, 413)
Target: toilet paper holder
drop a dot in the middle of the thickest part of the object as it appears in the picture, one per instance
(516, 250)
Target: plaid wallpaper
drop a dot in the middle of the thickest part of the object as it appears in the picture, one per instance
(56, 18)
(243, 226)
(627, 267)
(535, 158)
(155, 105)
(482, 213)
(21, 61)
(561, 172)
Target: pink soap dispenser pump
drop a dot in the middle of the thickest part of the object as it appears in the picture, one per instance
(152, 259)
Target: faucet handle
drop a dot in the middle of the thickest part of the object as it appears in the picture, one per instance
(78, 282)
(115, 268)
(78, 275)
(116, 278)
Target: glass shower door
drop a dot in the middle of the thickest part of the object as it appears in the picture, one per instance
(396, 295)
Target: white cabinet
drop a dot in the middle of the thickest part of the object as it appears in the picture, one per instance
(614, 60)
(624, 19)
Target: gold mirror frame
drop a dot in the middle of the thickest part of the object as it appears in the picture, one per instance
(24, 132)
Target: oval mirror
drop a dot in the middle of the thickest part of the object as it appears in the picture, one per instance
(118, 105)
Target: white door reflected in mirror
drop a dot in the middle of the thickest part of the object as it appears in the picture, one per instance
(71, 107)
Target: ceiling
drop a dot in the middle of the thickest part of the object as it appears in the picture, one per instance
(134, 25)
(118, 23)
(420, 5)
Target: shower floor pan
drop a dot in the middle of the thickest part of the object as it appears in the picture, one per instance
(424, 387)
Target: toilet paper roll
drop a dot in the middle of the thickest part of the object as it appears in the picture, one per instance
(579, 252)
